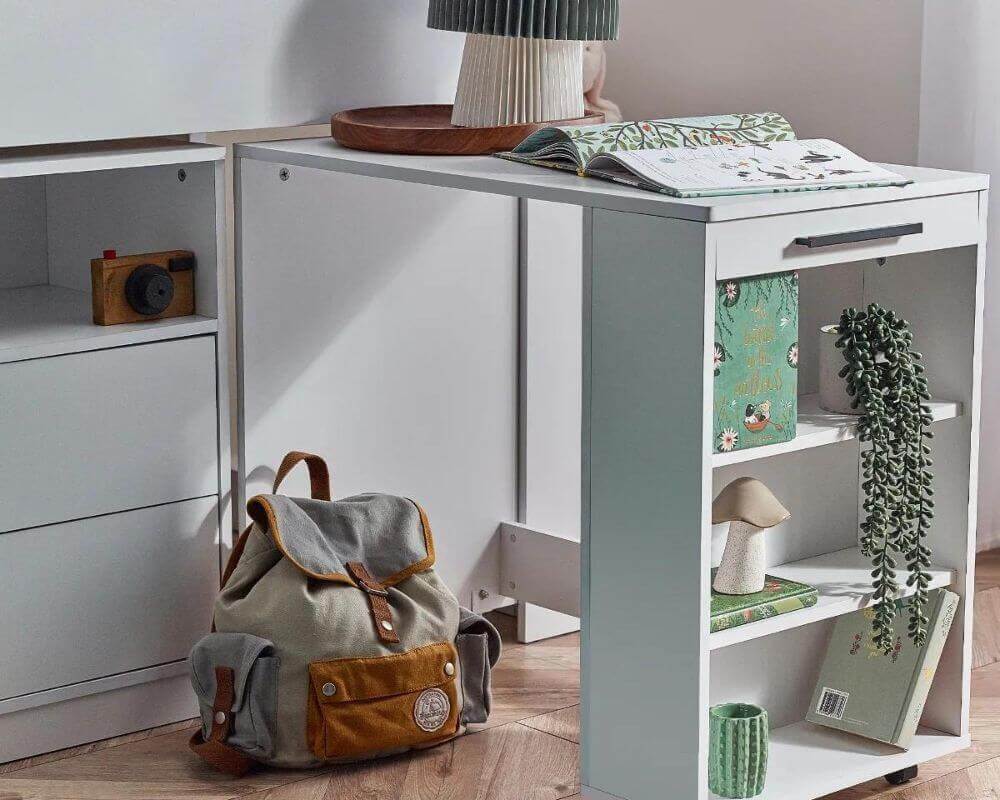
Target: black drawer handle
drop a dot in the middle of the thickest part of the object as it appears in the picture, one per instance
(888, 232)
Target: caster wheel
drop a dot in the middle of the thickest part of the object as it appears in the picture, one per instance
(902, 776)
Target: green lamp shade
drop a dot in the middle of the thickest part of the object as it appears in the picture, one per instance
(580, 20)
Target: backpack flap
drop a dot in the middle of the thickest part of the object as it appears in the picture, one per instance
(354, 541)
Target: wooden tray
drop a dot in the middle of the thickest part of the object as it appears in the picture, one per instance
(427, 130)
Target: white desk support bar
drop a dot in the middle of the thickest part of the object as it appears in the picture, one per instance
(540, 567)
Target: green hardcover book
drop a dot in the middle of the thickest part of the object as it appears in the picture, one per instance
(863, 691)
(779, 597)
(755, 361)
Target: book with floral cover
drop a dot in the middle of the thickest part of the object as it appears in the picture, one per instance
(778, 597)
(572, 147)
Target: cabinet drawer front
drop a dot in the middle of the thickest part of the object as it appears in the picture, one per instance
(768, 244)
(99, 432)
(100, 596)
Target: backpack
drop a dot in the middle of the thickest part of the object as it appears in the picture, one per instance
(334, 640)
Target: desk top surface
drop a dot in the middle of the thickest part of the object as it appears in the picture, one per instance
(498, 176)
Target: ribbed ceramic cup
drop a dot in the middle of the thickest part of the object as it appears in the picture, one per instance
(737, 753)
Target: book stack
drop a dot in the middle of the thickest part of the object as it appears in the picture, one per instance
(779, 596)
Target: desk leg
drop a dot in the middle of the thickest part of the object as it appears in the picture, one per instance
(646, 493)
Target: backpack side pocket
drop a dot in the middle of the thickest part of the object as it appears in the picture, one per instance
(478, 646)
(250, 669)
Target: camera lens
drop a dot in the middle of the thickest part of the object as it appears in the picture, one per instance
(149, 290)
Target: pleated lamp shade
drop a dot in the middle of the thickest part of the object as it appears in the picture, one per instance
(523, 59)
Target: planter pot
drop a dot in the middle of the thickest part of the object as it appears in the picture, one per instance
(833, 396)
(737, 750)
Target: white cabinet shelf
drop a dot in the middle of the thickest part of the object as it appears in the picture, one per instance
(43, 321)
(807, 760)
(20, 162)
(843, 579)
(817, 427)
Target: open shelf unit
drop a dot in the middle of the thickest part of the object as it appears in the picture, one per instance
(775, 662)
(66, 204)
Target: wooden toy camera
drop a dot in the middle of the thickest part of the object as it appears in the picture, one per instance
(142, 287)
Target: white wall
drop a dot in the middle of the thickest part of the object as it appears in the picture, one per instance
(77, 70)
(847, 70)
(960, 129)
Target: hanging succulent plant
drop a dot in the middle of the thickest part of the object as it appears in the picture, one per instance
(887, 383)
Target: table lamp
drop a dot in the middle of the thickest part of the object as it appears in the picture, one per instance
(523, 59)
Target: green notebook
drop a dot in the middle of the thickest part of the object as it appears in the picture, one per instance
(881, 697)
(779, 597)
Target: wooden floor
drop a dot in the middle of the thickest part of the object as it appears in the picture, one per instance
(528, 751)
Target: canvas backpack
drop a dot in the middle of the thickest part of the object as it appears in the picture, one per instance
(334, 639)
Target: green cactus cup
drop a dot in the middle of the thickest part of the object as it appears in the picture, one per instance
(737, 752)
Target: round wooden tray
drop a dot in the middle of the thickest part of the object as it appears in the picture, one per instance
(427, 130)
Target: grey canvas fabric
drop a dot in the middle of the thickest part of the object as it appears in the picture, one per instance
(478, 645)
(255, 669)
(381, 531)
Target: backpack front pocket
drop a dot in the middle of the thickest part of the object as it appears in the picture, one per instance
(368, 706)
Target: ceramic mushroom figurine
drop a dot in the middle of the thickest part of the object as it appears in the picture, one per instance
(750, 509)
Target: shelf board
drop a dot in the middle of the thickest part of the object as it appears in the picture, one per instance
(817, 427)
(43, 321)
(20, 162)
(843, 579)
(807, 761)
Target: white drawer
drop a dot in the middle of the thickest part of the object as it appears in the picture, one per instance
(100, 596)
(99, 432)
(768, 244)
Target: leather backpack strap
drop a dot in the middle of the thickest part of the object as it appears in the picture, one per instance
(214, 750)
(378, 601)
(319, 473)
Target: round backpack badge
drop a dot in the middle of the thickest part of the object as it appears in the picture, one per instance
(431, 710)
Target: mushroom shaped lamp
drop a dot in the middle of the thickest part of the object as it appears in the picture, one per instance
(523, 59)
(750, 509)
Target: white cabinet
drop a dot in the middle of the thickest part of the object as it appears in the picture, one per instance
(115, 477)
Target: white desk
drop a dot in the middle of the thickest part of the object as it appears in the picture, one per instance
(389, 319)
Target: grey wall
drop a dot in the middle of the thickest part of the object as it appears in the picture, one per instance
(847, 70)
(960, 129)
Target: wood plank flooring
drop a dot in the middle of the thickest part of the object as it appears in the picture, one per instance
(528, 750)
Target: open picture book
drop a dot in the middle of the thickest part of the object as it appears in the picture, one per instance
(703, 156)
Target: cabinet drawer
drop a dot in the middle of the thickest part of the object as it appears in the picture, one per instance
(99, 432)
(100, 596)
(768, 244)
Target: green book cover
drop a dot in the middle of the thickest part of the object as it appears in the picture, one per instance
(860, 690)
(755, 361)
(778, 597)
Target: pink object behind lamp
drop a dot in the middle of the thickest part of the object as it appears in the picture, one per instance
(595, 69)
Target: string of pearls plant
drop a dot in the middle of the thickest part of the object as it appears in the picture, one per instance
(887, 383)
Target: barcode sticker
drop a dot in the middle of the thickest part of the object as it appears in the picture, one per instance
(832, 703)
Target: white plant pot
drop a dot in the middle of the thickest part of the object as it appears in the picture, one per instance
(833, 396)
